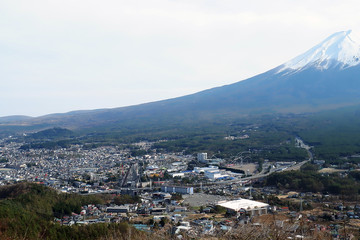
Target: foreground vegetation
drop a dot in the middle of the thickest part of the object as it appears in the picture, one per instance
(27, 211)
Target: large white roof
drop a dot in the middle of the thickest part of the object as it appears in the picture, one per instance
(245, 204)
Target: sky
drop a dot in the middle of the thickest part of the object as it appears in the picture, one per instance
(64, 55)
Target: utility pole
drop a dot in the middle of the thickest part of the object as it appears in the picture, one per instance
(301, 220)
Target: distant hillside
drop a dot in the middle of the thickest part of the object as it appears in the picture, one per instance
(15, 118)
(52, 133)
(314, 81)
(307, 91)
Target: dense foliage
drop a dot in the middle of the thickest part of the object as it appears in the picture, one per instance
(27, 211)
(126, 199)
(309, 180)
(51, 133)
(334, 135)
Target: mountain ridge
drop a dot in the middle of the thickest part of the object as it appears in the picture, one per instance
(284, 89)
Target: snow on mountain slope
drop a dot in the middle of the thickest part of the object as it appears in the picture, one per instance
(341, 50)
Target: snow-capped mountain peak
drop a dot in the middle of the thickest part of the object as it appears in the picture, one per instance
(341, 49)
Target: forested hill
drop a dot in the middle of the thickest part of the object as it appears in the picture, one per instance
(27, 211)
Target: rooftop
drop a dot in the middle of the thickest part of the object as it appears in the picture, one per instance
(246, 204)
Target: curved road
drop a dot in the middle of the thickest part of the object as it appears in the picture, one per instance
(297, 166)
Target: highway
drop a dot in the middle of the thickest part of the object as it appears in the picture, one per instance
(297, 166)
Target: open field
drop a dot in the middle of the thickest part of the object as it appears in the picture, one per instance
(330, 170)
(250, 167)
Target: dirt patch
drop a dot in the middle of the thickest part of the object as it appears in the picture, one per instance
(271, 218)
(330, 170)
(252, 167)
(287, 195)
(354, 223)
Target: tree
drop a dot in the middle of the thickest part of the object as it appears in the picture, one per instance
(126, 199)
(176, 196)
(163, 221)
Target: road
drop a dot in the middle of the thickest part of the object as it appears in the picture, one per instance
(297, 166)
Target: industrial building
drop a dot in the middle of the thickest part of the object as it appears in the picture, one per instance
(212, 172)
(181, 190)
(250, 207)
(117, 209)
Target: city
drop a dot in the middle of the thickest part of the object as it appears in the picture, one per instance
(217, 196)
(183, 120)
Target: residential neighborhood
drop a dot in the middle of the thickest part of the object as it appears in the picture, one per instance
(156, 189)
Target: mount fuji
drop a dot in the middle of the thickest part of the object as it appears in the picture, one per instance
(325, 77)
(341, 50)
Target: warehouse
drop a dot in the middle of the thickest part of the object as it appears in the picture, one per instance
(250, 207)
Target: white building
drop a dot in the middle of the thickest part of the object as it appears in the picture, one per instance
(174, 175)
(253, 208)
(213, 175)
(202, 157)
(204, 169)
(184, 226)
(175, 189)
(211, 172)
